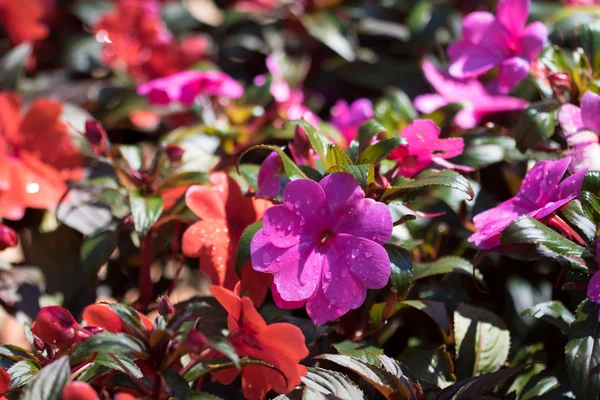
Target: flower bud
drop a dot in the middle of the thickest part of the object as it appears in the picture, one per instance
(8, 237)
(38, 343)
(174, 153)
(79, 390)
(56, 326)
(94, 132)
(560, 81)
(165, 307)
(195, 342)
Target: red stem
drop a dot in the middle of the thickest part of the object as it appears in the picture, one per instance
(145, 280)
(557, 222)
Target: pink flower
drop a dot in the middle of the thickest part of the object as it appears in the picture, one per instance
(471, 93)
(348, 118)
(425, 147)
(502, 40)
(185, 86)
(540, 195)
(324, 246)
(280, 89)
(581, 128)
(268, 179)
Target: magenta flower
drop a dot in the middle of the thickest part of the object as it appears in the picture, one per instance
(324, 246)
(185, 86)
(348, 118)
(471, 93)
(581, 128)
(502, 40)
(425, 147)
(268, 179)
(540, 195)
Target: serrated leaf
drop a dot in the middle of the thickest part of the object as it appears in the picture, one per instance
(591, 205)
(289, 166)
(482, 341)
(242, 256)
(478, 386)
(49, 382)
(380, 150)
(401, 267)
(145, 210)
(433, 309)
(364, 174)
(553, 312)
(367, 131)
(444, 178)
(322, 145)
(11, 354)
(444, 265)
(582, 352)
(575, 215)
(114, 343)
(336, 156)
(331, 383)
(541, 241)
(22, 372)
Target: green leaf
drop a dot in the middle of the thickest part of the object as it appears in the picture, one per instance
(119, 362)
(175, 384)
(591, 205)
(22, 372)
(536, 123)
(243, 252)
(331, 383)
(577, 217)
(401, 265)
(130, 318)
(444, 178)
(103, 343)
(362, 351)
(433, 309)
(380, 150)
(326, 27)
(97, 248)
(225, 348)
(132, 154)
(479, 386)
(553, 312)
(366, 133)
(11, 354)
(433, 367)
(539, 240)
(12, 66)
(444, 265)
(336, 157)
(205, 367)
(289, 166)
(583, 352)
(364, 173)
(482, 341)
(322, 145)
(250, 174)
(591, 182)
(145, 211)
(49, 382)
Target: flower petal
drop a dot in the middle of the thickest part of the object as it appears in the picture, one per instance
(469, 60)
(230, 301)
(593, 289)
(281, 303)
(343, 193)
(428, 103)
(590, 111)
(369, 219)
(308, 200)
(533, 40)
(366, 260)
(570, 120)
(512, 72)
(541, 182)
(320, 310)
(205, 202)
(283, 227)
(512, 14)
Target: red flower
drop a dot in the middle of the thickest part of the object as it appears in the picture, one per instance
(56, 326)
(280, 344)
(225, 213)
(4, 383)
(135, 36)
(101, 316)
(8, 237)
(22, 20)
(36, 156)
(79, 390)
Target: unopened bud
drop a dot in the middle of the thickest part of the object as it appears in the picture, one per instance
(196, 341)
(39, 343)
(8, 237)
(94, 132)
(165, 307)
(174, 153)
(560, 81)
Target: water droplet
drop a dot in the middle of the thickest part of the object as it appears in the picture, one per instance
(278, 259)
(218, 230)
(213, 248)
(32, 187)
(355, 253)
(332, 302)
(298, 204)
(266, 259)
(291, 227)
(328, 275)
(302, 222)
(308, 201)
(344, 272)
(202, 230)
(225, 230)
(350, 211)
(368, 254)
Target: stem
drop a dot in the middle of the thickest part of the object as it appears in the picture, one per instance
(138, 381)
(145, 280)
(557, 222)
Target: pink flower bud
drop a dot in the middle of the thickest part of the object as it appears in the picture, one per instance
(165, 307)
(174, 153)
(94, 132)
(8, 237)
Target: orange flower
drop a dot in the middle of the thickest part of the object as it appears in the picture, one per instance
(4, 383)
(37, 156)
(225, 213)
(101, 316)
(22, 20)
(280, 344)
(79, 390)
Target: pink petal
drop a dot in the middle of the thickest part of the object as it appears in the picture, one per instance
(280, 90)
(466, 119)
(550, 207)
(268, 179)
(512, 14)
(343, 193)
(512, 72)
(281, 303)
(533, 39)
(495, 104)
(307, 199)
(585, 157)
(340, 287)
(428, 103)
(590, 111)
(447, 164)
(282, 227)
(492, 222)
(320, 310)
(264, 254)
(449, 148)
(570, 120)
(483, 28)
(570, 187)
(471, 60)
(368, 219)
(542, 180)
(593, 289)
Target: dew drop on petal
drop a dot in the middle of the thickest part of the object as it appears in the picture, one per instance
(298, 204)
(355, 253)
(332, 302)
(368, 254)
(32, 187)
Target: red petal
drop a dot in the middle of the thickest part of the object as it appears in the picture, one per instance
(99, 315)
(79, 390)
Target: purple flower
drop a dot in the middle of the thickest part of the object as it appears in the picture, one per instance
(268, 180)
(348, 118)
(581, 128)
(324, 246)
(502, 40)
(471, 93)
(185, 86)
(593, 289)
(540, 195)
